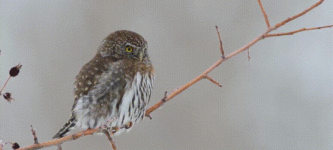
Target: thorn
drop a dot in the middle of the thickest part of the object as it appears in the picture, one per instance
(164, 99)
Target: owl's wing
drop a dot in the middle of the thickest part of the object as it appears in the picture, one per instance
(100, 83)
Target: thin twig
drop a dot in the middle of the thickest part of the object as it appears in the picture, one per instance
(106, 132)
(297, 15)
(296, 31)
(34, 135)
(5, 85)
(213, 81)
(221, 45)
(264, 13)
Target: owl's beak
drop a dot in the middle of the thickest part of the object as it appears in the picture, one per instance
(140, 55)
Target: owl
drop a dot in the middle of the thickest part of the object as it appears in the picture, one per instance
(113, 89)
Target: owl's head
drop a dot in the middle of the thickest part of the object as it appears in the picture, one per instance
(124, 44)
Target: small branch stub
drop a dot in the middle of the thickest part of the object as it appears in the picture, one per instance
(33, 132)
(213, 81)
(165, 96)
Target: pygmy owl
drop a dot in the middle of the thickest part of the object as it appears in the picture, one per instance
(113, 88)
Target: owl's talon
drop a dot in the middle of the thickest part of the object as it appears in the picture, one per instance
(115, 129)
(128, 125)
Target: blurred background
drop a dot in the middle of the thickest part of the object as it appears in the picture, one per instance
(281, 99)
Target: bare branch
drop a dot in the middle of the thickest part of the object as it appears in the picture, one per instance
(217, 63)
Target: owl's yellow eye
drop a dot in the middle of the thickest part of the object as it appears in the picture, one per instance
(129, 49)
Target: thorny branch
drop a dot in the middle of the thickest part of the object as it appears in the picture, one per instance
(203, 75)
(247, 46)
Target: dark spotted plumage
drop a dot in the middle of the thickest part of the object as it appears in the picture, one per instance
(114, 87)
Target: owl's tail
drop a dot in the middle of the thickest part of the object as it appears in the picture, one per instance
(66, 128)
